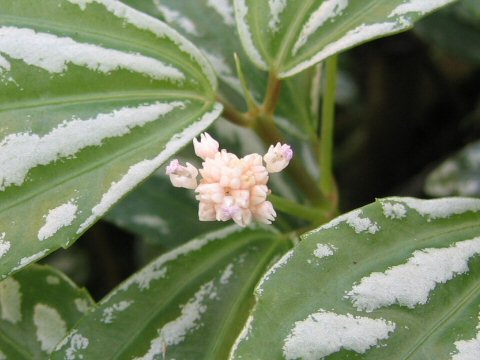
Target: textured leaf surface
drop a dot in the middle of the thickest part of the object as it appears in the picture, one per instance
(38, 306)
(161, 213)
(396, 279)
(211, 278)
(210, 25)
(94, 96)
(290, 36)
(458, 175)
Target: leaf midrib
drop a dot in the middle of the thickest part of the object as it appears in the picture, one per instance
(342, 29)
(102, 97)
(282, 65)
(425, 236)
(449, 314)
(232, 315)
(180, 286)
(92, 165)
(19, 349)
(291, 34)
(103, 38)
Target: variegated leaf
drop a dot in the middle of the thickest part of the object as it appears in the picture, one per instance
(38, 306)
(94, 97)
(396, 279)
(189, 303)
(458, 175)
(287, 37)
(210, 24)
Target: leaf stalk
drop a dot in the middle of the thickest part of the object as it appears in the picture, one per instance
(327, 182)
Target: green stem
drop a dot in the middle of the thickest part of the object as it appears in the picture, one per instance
(251, 103)
(295, 209)
(269, 133)
(273, 94)
(327, 183)
(233, 115)
(315, 90)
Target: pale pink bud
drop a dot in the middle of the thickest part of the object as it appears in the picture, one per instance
(243, 217)
(206, 211)
(210, 193)
(207, 147)
(241, 197)
(247, 180)
(260, 174)
(211, 170)
(231, 177)
(255, 173)
(182, 176)
(226, 157)
(264, 212)
(252, 160)
(258, 194)
(278, 157)
(227, 209)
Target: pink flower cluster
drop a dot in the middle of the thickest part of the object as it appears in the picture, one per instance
(231, 188)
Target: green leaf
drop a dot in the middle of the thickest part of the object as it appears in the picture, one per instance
(396, 279)
(287, 37)
(158, 211)
(458, 175)
(297, 112)
(94, 97)
(188, 304)
(211, 26)
(38, 306)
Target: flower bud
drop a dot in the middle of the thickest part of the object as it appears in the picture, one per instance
(241, 197)
(264, 212)
(182, 176)
(206, 211)
(259, 194)
(227, 209)
(207, 147)
(278, 157)
(243, 217)
(210, 193)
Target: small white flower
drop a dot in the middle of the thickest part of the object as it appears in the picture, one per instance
(278, 157)
(207, 147)
(182, 176)
(231, 188)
